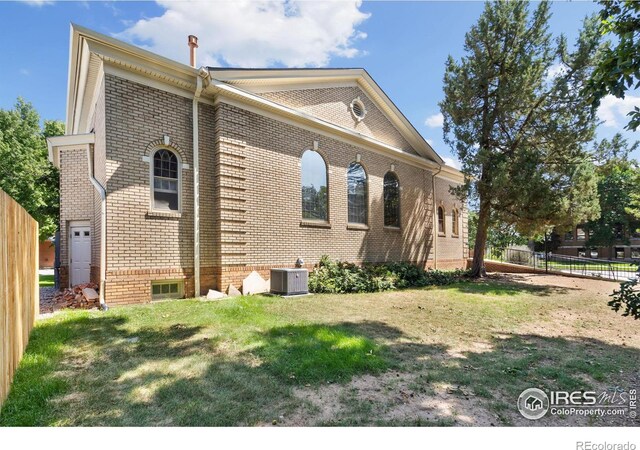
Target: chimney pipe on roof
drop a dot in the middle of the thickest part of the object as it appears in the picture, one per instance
(193, 45)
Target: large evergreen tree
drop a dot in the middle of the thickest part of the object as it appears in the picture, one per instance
(514, 116)
(25, 173)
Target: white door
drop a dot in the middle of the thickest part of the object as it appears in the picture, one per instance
(80, 254)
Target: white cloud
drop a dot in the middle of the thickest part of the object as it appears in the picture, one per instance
(554, 71)
(452, 162)
(25, 72)
(247, 33)
(37, 2)
(435, 121)
(613, 110)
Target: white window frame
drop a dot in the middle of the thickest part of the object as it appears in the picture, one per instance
(444, 221)
(168, 296)
(360, 103)
(455, 223)
(152, 183)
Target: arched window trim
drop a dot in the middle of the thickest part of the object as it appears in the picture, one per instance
(152, 177)
(317, 222)
(384, 206)
(442, 225)
(366, 195)
(455, 223)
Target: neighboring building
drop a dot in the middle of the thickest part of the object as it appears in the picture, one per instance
(574, 243)
(288, 164)
(47, 254)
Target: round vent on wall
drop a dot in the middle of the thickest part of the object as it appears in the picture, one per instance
(358, 110)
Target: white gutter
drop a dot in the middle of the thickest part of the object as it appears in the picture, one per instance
(196, 186)
(103, 226)
(435, 218)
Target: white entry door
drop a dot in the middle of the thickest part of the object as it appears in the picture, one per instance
(80, 254)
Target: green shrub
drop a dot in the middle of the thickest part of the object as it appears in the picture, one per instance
(629, 296)
(338, 277)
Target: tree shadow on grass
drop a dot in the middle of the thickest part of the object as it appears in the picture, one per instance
(47, 371)
(504, 288)
(175, 375)
(515, 362)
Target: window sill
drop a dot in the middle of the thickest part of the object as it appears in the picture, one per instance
(442, 235)
(456, 236)
(392, 229)
(358, 226)
(315, 224)
(165, 214)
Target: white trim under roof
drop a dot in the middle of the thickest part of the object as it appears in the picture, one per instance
(92, 54)
(262, 80)
(262, 105)
(57, 143)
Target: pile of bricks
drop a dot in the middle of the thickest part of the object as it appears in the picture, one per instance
(77, 297)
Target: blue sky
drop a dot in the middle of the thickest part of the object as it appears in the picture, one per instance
(403, 45)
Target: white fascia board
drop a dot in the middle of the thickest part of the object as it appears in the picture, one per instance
(262, 105)
(263, 80)
(85, 42)
(406, 128)
(57, 143)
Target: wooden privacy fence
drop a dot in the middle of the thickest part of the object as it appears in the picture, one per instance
(19, 286)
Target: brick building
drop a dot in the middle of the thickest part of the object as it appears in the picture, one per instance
(175, 180)
(574, 243)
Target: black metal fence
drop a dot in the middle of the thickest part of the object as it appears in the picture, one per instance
(571, 265)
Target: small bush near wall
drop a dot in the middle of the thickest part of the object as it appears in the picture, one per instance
(338, 277)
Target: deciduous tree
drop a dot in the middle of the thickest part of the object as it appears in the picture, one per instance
(619, 66)
(25, 173)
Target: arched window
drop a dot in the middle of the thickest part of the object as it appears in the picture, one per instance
(391, 194)
(166, 181)
(454, 223)
(441, 220)
(315, 199)
(357, 193)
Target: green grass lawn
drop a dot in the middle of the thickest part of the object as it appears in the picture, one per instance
(46, 280)
(588, 265)
(460, 354)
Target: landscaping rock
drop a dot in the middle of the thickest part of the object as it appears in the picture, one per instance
(254, 284)
(233, 291)
(215, 295)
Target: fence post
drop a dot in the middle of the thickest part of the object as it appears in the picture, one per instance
(546, 255)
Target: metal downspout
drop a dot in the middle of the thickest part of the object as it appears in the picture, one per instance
(103, 226)
(196, 189)
(435, 217)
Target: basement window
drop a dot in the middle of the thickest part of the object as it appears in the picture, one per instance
(635, 252)
(161, 290)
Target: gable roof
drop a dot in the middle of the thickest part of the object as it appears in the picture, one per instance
(263, 80)
(92, 54)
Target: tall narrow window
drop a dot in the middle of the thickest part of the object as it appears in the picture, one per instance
(454, 223)
(315, 201)
(440, 220)
(357, 193)
(391, 194)
(166, 183)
